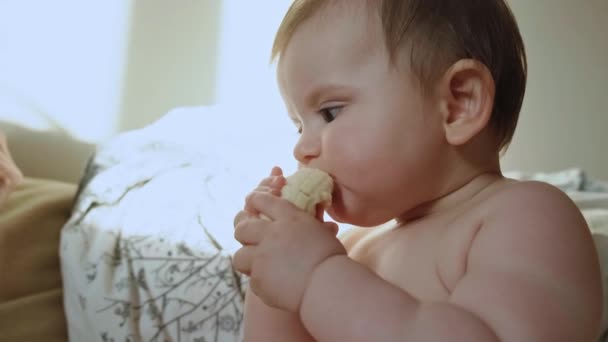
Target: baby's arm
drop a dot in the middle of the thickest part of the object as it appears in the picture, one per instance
(264, 323)
(306, 189)
(531, 275)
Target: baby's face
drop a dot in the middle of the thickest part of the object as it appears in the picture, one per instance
(361, 120)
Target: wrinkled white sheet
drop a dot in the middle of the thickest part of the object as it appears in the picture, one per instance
(146, 253)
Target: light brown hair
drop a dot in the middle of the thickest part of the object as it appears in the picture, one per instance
(434, 34)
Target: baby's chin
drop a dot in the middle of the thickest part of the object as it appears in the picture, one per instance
(335, 215)
(340, 214)
(336, 209)
(348, 208)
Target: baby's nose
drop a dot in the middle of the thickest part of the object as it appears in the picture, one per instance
(307, 148)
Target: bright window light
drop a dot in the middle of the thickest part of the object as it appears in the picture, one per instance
(66, 59)
(246, 78)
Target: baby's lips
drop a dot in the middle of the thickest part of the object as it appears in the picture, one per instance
(320, 212)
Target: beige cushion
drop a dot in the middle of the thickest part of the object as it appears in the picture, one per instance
(31, 301)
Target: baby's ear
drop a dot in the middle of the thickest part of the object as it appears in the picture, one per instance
(466, 93)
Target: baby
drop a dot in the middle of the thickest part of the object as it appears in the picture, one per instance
(407, 104)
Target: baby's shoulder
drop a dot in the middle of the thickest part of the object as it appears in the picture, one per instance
(532, 204)
(528, 196)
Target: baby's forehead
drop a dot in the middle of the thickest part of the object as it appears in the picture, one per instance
(356, 19)
(340, 31)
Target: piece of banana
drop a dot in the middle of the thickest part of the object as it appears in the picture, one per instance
(307, 188)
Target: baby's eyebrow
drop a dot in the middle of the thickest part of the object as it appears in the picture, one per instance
(292, 117)
(315, 95)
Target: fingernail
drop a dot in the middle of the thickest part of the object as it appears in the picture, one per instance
(276, 181)
(277, 170)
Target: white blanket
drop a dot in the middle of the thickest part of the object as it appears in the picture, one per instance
(146, 253)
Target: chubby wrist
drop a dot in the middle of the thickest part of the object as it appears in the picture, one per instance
(319, 276)
(337, 291)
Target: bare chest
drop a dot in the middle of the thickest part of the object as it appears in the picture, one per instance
(427, 260)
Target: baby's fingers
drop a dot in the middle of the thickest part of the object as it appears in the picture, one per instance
(272, 184)
(275, 180)
(240, 216)
(3, 144)
(242, 260)
(10, 174)
(250, 232)
(276, 171)
(275, 183)
(273, 190)
(333, 227)
(269, 189)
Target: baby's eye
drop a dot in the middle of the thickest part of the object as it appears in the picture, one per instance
(330, 113)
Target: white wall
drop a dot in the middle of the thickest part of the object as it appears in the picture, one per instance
(99, 68)
(247, 80)
(61, 67)
(564, 122)
(172, 54)
(65, 59)
(75, 73)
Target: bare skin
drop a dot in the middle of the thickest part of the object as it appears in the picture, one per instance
(500, 279)
(472, 256)
(10, 175)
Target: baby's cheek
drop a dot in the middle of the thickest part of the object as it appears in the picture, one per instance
(345, 150)
(355, 161)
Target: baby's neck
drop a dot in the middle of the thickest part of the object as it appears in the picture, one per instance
(456, 193)
(466, 172)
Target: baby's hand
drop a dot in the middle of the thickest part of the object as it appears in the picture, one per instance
(10, 175)
(281, 252)
(271, 184)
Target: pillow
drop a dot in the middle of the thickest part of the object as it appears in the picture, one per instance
(31, 307)
(568, 180)
(146, 254)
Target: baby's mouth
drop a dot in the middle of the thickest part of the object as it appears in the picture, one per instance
(321, 209)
